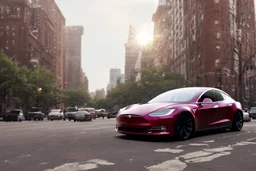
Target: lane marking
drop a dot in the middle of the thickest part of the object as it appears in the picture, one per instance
(195, 144)
(195, 154)
(170, 165)
(207, 158)
(210, 141)
(169, 150)
(78, 166)
(205, 155)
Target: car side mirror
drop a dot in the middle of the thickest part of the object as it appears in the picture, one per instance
(207, 100)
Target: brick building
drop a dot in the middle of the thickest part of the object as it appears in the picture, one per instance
(52, 11)
(73, 45)
(201, 40)
(20, 36)
(31, 31)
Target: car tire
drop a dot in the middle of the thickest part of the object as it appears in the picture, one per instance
(69, 119)
(74, 120)
(184, 126)
(238, 122)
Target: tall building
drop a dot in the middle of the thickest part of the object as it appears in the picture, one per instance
(204, 40)
(115, 78)
(86, 83)
(100, 94)
(57, 25)
(132, 50)
(26, 33)
(73, 45)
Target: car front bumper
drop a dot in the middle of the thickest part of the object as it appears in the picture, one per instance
(146, 125)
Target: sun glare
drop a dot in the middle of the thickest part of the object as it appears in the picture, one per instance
(144, 38)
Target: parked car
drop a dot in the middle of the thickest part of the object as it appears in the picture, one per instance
(56, 114)
(70, 113)
(100, 113)
(247, 117)
(35, 114)
(252, 112)
(112, 114)
(181, 112)
(14, 115)
(82, 116)
(92, 112)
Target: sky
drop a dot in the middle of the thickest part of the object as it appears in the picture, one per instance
(106, 24)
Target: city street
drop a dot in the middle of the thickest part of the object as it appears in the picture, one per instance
(68, 146)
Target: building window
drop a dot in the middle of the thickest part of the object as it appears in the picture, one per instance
(216, 1)
(218, 47)
(218, 35)
(13, 42)
(13, 34)
(216, 22)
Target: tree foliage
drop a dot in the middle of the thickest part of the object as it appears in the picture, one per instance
(76, 97)
(152, 83)
(19, 86)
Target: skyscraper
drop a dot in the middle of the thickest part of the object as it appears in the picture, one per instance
(132, 51)
(73, 45)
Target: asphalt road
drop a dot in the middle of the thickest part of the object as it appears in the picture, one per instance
(69, 146)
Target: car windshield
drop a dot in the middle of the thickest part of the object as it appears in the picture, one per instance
(55, 110)
(81, 109)
(71, 109)
(34, 110)
(177, 95)
(253, 109)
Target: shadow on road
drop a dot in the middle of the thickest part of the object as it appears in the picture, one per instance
(220, 132)
(146, 138)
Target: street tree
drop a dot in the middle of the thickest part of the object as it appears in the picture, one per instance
(11, 79)
(152, 83)
(76, 97)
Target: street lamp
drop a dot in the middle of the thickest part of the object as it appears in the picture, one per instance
(39, 90)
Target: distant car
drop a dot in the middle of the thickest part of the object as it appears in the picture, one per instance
(82, 116)
(92, 112)
(56, 114)
(70, 113)
(14, 115)
(181, 112)
(252, 112)
(35, 114)
(247, 117)
(112, 114)
(100, 113)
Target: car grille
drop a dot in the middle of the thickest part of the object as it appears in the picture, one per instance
(132, 118)
(136, 130)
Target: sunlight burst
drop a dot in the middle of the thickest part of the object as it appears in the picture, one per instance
(144, 38)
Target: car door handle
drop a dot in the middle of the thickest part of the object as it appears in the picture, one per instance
(216, 106)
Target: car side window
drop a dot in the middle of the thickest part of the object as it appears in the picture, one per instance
(219, 96)
(226, 97)
(209, 94)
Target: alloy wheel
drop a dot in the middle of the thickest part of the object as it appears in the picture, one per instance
(184, 126)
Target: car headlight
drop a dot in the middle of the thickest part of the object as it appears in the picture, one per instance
(163, 112)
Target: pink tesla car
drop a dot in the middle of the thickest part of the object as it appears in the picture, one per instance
(181, 112)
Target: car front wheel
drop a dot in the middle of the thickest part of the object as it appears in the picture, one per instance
(238, 121)
(184, 126)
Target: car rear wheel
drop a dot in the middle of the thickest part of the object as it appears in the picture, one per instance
(184, 126)
(238, 122)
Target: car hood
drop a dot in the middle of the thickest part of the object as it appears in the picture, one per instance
(144, 109)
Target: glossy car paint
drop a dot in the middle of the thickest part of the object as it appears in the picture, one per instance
(135, 119)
